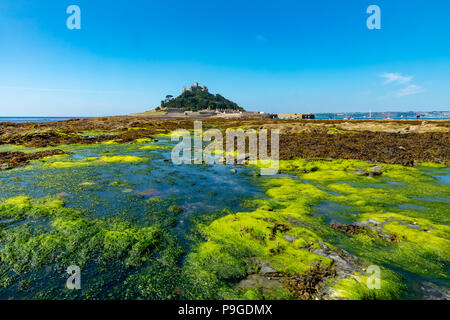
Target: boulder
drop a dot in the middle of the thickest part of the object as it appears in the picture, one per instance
(267, 269)
(376, 171)
(289, 238)
(361, 172)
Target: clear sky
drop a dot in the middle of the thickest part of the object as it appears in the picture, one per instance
(275, 56)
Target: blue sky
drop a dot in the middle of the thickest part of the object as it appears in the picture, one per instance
(274, 56)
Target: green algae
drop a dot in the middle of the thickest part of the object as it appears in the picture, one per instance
(25, 207)
(97, 133)
(143, 264)
(339, 131)
(122, 159)
(422, 244)
(357, 288)
(175, 133)
(95, 161)
(242, 237)
(432, 165)
(154, 147)
(144, 140)
(366, 198)
(65, 236)
(13, 147)
(119, 247)
(426, 246)
(109, 142)
(69, 226)
(174, 209)
(72, 164)
(236, 241)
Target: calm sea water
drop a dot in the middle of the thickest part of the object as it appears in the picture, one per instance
(36, 119)
(50, 119)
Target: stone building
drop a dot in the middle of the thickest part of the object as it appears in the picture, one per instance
(196, 87)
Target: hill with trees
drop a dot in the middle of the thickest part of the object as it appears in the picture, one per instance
(199, 100)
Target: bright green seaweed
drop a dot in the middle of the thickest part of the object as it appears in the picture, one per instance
(421, 246)
(404, 212)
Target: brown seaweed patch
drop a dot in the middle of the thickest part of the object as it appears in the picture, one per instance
(309, 286)
(348, 228)
(15, 159)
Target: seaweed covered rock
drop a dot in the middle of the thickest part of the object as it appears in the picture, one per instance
(14, 159)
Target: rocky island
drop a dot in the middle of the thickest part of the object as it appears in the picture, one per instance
(197, 102)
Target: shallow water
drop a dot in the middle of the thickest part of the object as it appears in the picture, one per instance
(204, 192)
(198, 189)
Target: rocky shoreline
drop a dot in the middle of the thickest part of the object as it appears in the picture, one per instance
(385, 209)
(11, 159)
(389, 141)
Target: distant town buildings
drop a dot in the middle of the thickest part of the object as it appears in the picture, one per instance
(196, 87)
(297, 116)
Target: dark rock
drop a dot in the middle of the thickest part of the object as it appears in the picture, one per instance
(289, 238)
(62, 195)
(344, 263)
(258, 281)
(267, 269)
(367, 223)
(376, 171)
(361, 172)
(432, 291)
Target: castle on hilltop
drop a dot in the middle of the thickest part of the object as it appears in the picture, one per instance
(196, 87)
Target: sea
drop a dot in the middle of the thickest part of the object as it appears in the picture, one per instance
(319, 116)
(37, 119)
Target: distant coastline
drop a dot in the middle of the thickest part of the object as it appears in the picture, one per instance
(395, 115)
(431, 115)
(37, 119)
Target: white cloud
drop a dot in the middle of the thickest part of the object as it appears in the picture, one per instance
(410, 90)
(395, 78)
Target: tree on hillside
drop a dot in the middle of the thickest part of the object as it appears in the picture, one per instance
(201, 100)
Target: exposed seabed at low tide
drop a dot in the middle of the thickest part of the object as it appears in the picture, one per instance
(142, 227)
